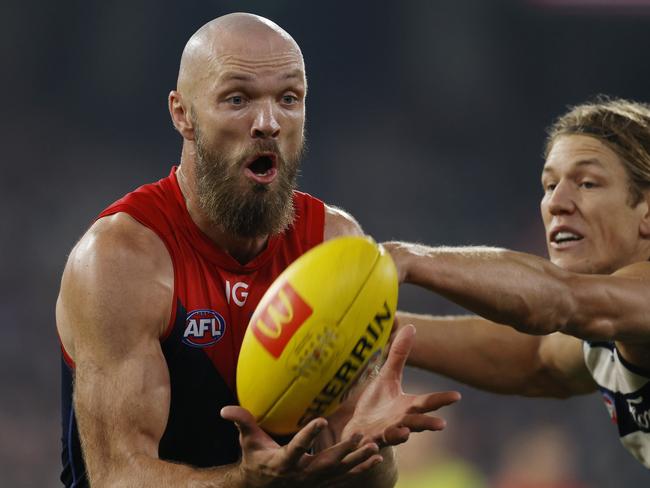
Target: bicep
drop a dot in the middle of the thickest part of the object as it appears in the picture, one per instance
(563, 361)
(612, 307)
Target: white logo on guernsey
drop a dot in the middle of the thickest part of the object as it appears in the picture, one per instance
(237, 293)
(203, 328)
(642, 418)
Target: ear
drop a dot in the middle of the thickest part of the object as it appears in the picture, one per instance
(180, 115)
(644, 208)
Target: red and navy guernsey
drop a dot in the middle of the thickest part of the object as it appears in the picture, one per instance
(214, 298)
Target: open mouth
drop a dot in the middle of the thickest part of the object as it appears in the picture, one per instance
(562, 238)
(262, 168)
(261, 165)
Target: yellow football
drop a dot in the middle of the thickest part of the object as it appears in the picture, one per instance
(314, 332)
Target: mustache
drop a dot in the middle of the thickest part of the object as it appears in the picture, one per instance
(263, 146)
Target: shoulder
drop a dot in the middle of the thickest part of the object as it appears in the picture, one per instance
(640, 271)
(118, 244)
(339, 223)
(118, 278)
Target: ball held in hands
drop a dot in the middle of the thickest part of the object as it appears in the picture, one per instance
(314, 332)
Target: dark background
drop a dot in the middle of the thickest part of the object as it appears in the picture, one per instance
(425, 120)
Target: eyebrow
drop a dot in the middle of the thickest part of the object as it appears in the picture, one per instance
(240, 76)
(579, 164)
(296, 73)
(235, 76)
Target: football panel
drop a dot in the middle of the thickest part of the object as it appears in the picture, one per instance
(275, 344)
(339, 354)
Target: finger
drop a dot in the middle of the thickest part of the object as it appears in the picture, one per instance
(396, 434)
(366, 465)
(360, 459)
(303, 440)
(399, 433)
(358, 456)
(398, 353)
(242, 418)
(433, 401)
(420, 423)
(333, 455)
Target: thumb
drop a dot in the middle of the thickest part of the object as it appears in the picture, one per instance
(242, 418)
(398, 352)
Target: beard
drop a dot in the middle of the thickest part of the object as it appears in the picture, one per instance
(242, 207)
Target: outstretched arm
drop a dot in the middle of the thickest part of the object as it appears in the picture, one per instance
(530, 293)
(495, 358)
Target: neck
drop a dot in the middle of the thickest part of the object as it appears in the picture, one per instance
(243, 249)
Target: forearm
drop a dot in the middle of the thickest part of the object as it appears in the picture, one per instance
(482, 354)
(121, 417)
(531, 294)
(523, 291)
(143, 471)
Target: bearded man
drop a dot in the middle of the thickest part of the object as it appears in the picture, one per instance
(148, 399)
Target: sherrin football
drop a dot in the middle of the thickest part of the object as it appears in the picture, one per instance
(314, 332)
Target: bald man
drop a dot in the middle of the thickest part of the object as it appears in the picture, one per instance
(148, 396)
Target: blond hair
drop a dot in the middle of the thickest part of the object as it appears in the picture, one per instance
(622, 125)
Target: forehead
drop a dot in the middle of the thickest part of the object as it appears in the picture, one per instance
(573, 152)
(245, 67)
(258, 53)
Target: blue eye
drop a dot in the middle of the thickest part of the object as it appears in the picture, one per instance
(289, 99)
(236, 100)
(588, 185)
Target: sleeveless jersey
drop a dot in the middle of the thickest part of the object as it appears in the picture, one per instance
(626, 391)
(214, 298)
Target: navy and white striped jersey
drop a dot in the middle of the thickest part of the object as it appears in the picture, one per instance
(626, 392)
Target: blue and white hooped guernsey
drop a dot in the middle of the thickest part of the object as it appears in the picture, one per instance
(626, 392)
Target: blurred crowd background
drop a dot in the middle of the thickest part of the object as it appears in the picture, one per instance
(425, 120)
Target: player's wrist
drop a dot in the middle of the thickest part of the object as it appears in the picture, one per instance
(400, 253)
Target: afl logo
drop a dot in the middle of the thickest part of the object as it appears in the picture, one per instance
(203, 328)
(610, 403)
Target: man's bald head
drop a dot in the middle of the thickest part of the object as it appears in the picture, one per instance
(236, 34)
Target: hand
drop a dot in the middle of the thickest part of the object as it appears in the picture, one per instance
(264, 463)
(398, 251)
(384, 413)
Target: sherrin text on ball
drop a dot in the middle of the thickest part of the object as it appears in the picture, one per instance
(315, 331)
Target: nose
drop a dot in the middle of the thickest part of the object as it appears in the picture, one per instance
(265, 125)
(562, 199)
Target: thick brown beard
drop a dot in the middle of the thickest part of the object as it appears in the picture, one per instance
(239, 206)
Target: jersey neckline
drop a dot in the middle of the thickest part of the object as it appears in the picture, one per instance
(212, 251)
